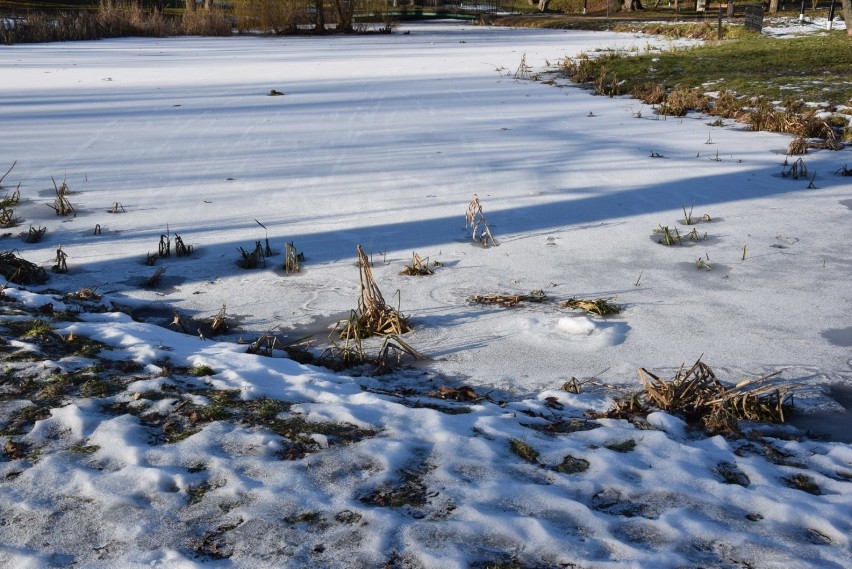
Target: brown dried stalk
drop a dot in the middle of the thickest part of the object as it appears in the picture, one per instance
(20, 271)
(292, 259)
(61, 265)
(373, 317)
(61, 205)
(154, 280)
(253, 258)
(7, 173)
(510, 299)
(418, 267)
(219, 324)
(599, 306)
(474, 220)
(701, 398)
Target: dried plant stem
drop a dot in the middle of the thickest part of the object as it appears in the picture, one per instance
(474, 220)
(7, 172)
(373, 316)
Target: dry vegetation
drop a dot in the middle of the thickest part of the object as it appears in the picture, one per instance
(373, 317)
(419, 266)
(123, 18)
(474, 220)
(599, 306)
(706, 403)
(509, 300)
(109, 20)
(20, 271)
(764, 82)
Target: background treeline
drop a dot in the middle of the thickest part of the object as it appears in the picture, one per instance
(33, 22)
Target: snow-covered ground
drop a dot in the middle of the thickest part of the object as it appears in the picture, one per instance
(382, 141)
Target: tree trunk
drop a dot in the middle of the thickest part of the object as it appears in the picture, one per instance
(542, 5)
(344, 10)
(631, 5)
(319, 21)
(847, 16)
(773, 6)
(190, 5)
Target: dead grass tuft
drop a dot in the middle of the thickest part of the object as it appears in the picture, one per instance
(61, 205)
(509, 300)
(705, 402)
(474, 220)
(599, 306)
(251, 259)
(20, 271)
(682, 100)
(797, 146)
(373, 317)
(697, 395)
(418, 266)
(649, 93)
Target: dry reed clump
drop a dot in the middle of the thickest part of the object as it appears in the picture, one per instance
(182, 250)
(793, 118)
(509, 300)
(474, 220)
(349, 351)
(7, 218)
(61, 261)
(698, 30)
(797, 146)
(219, 324)
(209, 22)
(154, 280)
(703, 401)
(292, 259)
(682, 100)
(111, 19)
(797, 169)
(599, 306)
(649, 93)
(61, 205)
(668, 236)
(20, 271)
(419, 266)
(726, 105)
(579, 69)
(251, 259)
(373, 317)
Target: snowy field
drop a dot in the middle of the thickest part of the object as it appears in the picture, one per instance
(382, 141)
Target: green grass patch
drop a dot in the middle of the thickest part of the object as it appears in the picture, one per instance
(624, 446)
(202, 370)
(30, 329)
(814, 68)
(524, 450)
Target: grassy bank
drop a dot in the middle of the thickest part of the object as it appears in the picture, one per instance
(815, 68)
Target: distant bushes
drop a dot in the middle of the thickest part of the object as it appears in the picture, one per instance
(124, 18)
(110, 20)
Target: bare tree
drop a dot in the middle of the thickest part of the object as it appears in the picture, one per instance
(319, 17)
(344, 10)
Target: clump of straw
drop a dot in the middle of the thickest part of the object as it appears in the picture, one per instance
(705, 402)
(599, 306)
(373, 317)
